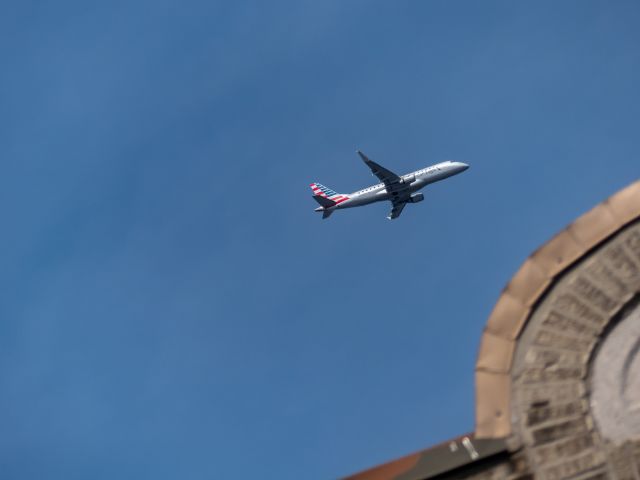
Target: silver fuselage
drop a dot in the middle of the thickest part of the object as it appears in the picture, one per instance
(415, 180)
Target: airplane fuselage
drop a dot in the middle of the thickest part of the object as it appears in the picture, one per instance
(414, 181)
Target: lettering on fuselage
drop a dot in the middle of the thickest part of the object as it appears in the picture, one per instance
(434, 168)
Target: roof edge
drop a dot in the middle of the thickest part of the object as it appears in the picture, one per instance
(436, 460)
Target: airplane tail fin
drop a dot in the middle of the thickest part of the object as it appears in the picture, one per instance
(327, 199)
(322, 191)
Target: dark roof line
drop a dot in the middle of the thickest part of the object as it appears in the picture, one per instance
(439, 459)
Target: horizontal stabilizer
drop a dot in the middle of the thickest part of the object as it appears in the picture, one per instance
(326, 214)
(324, 201)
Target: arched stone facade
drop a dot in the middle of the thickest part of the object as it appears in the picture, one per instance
(558, 372)
(553, 382)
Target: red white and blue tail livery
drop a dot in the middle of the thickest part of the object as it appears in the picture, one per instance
(399, 190)
(327, 198)
(323, 191)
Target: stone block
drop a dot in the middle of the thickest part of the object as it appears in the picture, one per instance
(555, 432)
(548, 338)
(573, 466)
(559, 393)
(592, 294)
(570, 305)
(543, 413)
(563, 449)
(570, 326)
(620, 260)
(547, 357)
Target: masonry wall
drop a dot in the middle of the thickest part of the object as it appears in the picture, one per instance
(570, 422)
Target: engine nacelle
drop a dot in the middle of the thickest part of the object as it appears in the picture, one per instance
(409, 179)
(416, 197)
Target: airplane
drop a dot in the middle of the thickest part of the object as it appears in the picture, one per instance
(399, 190)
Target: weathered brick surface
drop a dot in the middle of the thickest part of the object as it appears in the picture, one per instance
(622, 263)
(599, 474)
(555, 374)
(602, 274)
(615, 380)
(632, 241)
(574, 466)
(568, 325)
(622, 462)
(548, 338)
(545, 413)
(547, 357)
(570, 304)
(555, 452)
(529, 396)
(551, 371)
(595, 296)
(560, 430)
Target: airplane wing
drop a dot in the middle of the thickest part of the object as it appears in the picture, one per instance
(386, 176)
(393, 183)
(396, 210)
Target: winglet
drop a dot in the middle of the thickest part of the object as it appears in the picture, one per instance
(364, 158)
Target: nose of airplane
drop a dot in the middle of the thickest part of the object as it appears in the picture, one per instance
(462, 166)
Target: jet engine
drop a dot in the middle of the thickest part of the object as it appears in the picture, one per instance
(416, 197)
(409, 179)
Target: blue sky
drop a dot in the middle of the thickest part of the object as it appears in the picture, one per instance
(171, 305)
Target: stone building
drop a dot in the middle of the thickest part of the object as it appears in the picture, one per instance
(558, 371)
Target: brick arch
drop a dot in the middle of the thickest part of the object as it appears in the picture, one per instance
(518, 315)
(569, 317)
(551, 390)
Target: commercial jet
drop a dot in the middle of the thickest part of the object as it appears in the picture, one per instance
(398, 189)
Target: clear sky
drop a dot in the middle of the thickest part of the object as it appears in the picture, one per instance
(172, 307)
